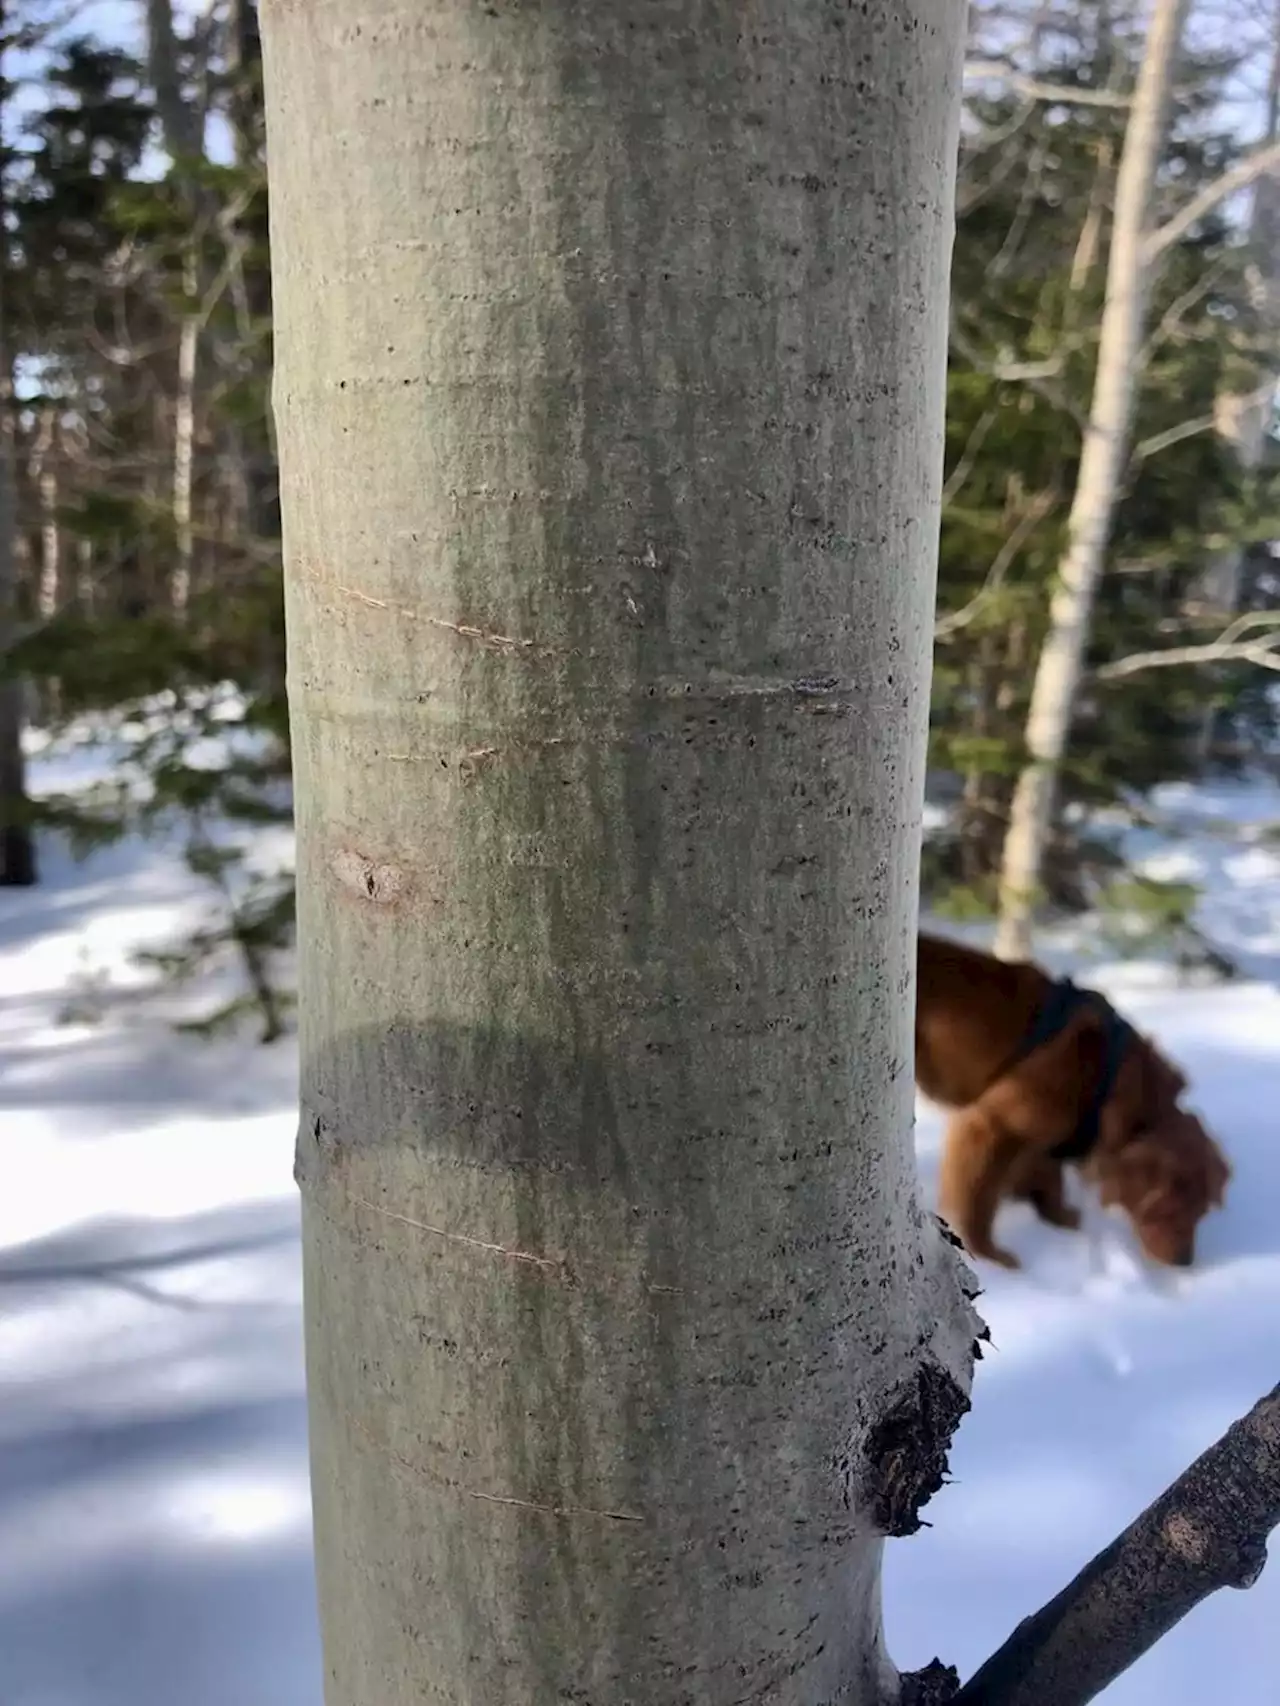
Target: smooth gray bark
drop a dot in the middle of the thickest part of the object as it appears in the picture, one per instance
(611, 344)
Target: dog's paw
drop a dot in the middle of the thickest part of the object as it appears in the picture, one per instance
(1002, 1258)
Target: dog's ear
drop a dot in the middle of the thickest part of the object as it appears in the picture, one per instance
(1131, 1174)
(1167, 1079)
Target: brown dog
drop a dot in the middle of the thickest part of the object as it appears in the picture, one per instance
(1037, 1074)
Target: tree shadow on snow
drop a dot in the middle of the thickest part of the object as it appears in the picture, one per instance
(154, 1517)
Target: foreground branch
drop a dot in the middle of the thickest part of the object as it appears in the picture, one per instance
(1208, 1531)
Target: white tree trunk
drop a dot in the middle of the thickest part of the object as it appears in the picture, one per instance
(611, 346)
(44, 469)
(182, 126)
(86, 588)
(184, 444)
(1102, 463)
(1244, 417)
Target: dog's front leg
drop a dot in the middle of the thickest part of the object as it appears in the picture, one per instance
(1041, 1181)
(977, 1159)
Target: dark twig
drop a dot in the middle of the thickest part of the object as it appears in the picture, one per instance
(1208, 1531)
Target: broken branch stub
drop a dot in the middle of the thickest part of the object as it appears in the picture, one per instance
(1207, 1531)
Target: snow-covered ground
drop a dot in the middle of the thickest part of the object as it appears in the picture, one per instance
(154, 1544)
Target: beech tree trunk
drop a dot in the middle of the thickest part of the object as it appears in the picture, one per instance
(1102, 464)
(611, 344)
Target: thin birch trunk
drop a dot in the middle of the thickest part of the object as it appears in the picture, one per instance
(44, 468)
(182, 126)
(184, 436)
(1102, 463)
(1243, 418)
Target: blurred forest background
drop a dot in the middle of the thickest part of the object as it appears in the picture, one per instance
(140, 571)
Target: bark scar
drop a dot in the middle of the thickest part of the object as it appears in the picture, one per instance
(464, 630)
(560, 1266)
(371, 879)
(460, 1237)
(459, 1487)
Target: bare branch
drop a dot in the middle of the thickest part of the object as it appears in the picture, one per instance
(1022, 215)
(1239, 642)
(1171, 320)
(1000, 367)
(1237, 177)
(1257, 652)
(1037, 375)
(1208, 1531)
(1172, 435)
(1197, 424)
(970, 194)
(1027, 522)
(1250, 619)
(1032, 89)
(968, 456)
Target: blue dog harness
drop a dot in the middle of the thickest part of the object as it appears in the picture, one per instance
(1064, 1000)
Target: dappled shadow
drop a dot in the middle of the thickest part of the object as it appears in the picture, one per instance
(124, 1252)
(65, 944)
(234, 1626)
(153, 1481)
(71, 891)
(150, 1071)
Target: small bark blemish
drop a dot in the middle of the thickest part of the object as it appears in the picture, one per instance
(450, 1484)
(370, 879)
(906, 1450)
(471, 763)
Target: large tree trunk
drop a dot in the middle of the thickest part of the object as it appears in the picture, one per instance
(610, 385)
(1102, 463)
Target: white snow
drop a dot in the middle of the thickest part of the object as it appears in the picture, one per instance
(154, 1524)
